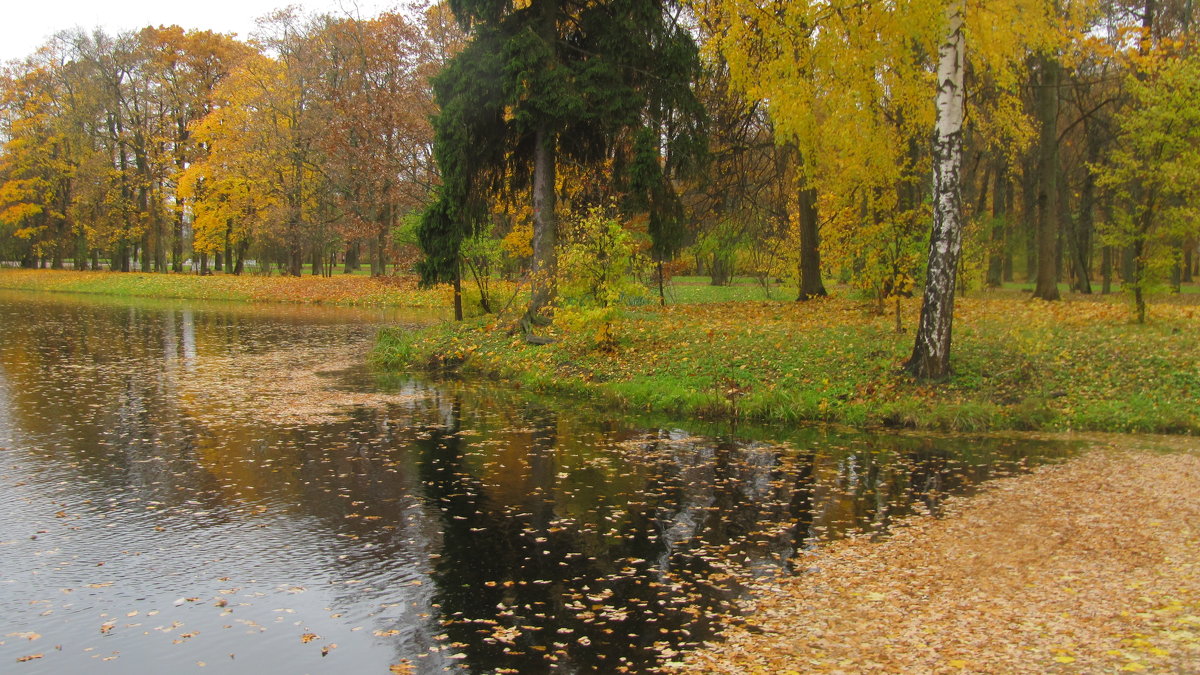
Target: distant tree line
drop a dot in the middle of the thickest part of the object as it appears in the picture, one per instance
(149, 149)
(788, 141)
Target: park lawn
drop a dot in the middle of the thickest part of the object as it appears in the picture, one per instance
(339, 289)
(1018, 364)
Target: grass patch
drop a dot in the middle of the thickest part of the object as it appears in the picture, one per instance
(1018, 364)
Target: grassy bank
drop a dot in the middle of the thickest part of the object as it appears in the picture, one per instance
(351, 290)
(1019, 364)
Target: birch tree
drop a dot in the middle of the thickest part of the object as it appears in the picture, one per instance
(931, 354)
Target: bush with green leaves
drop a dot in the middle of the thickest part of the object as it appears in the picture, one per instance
(599, 266)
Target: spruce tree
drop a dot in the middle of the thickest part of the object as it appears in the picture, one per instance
(546, 80)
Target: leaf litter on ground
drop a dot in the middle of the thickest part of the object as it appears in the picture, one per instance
(1088, 566)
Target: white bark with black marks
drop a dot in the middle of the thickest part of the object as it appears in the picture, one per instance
(931, 353)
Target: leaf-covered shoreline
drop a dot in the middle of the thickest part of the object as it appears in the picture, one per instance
(339, 289)
(1033, 575)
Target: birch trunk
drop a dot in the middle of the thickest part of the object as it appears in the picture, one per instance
(931, 353)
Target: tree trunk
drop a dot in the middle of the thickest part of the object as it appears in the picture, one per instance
(122, 261)
(177, 242)
(1029, 221)
(317, 259)
(228, 246)
(1085, 226)
(543, 268)
(160, 241)
(1106, 270)
(995, 272)
(810, 246)
(379, 265)
(931, 352)
(81, 254)
(351, 257)
(1139, 274)
(545, 226)
(1177, 275)
(458, 309)
(1047, 197)
(295, 266)
(1144, 224)
(240, 266)
(720, 271)
(662, 291)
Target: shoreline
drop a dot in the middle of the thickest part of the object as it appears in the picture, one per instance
(336, 290)
(1019, 365)
(1034, 574)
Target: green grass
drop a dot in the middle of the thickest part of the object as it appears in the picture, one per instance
(1018, 364)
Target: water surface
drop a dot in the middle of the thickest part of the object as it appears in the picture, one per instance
(229, 488)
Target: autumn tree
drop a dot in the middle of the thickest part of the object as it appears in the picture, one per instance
(37, 163)
(546, 81)
(1153, 170)
(376, 106)
(845, 87)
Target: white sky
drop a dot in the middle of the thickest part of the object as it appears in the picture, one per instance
(28, 23)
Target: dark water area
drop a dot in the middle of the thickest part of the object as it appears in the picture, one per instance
(230, 488)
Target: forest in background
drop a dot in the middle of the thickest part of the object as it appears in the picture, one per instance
(787, 141)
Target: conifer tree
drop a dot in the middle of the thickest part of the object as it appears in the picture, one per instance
(544, 80)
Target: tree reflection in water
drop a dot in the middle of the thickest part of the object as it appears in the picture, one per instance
(456, 525)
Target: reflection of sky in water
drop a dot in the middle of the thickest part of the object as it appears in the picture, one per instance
(6, 426)
(176, 491)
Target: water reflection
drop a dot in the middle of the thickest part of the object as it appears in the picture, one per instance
(232, 487)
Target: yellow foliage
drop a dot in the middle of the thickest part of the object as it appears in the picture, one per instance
(518, 243)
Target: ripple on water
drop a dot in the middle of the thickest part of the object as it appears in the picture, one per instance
(187, 485)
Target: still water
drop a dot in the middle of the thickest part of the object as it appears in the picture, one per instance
(229, 488)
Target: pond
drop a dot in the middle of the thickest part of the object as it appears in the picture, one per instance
(231, 488)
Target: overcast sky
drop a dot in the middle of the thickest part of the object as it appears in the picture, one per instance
(27, 23)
